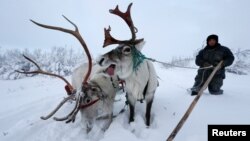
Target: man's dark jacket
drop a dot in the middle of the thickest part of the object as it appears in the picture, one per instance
(213, 55)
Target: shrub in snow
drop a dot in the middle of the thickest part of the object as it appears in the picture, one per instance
(241, 63)
(60, 60)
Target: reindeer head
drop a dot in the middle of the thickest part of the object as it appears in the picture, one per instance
(126, 57)
(99, 86)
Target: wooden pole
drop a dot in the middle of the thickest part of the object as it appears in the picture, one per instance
(191, 107)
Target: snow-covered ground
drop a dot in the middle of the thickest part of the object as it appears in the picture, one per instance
(23, 101)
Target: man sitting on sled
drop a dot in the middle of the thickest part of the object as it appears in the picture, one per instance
(211, 55)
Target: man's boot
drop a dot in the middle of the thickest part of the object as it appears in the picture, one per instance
(194, 91)
(219, 92)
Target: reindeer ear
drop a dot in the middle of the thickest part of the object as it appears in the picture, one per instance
(140, 45)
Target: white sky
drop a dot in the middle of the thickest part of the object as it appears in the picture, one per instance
(170, 27)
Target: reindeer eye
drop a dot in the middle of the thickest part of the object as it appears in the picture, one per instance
(87, 100)
(94, 89)
(127, 50)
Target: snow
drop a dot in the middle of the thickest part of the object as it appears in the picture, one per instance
(23, 101)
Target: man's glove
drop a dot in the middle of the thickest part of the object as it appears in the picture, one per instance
(217, 62)
(206, 64)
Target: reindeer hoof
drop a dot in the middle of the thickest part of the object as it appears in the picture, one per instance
(147, 123)
(131, 120)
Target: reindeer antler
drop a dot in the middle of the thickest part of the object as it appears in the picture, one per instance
(71, 97)
(76, 34)
(127, 18)
(72, 115)
(40, 71)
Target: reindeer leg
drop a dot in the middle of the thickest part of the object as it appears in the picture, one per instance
(149, 100)
(132, 112)
(131, 103)
(89, 125)
(109, 119)
(148, 112)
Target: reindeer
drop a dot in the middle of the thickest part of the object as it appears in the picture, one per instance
(93, 94)
(130, 65)
(104, 86)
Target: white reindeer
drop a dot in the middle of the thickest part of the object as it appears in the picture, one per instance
(130, 65)
(104, 87)
(92, 89)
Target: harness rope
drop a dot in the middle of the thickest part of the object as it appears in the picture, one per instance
(168, 64)
(138, 58)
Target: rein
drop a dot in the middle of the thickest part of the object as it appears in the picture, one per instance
(138, 58)
(89, 104)
(169, 64)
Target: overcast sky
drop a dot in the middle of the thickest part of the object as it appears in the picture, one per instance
(170, 27)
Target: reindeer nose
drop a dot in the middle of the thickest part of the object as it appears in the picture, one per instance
(101, 61)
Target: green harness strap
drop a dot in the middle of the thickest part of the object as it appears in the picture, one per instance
(137, 58)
